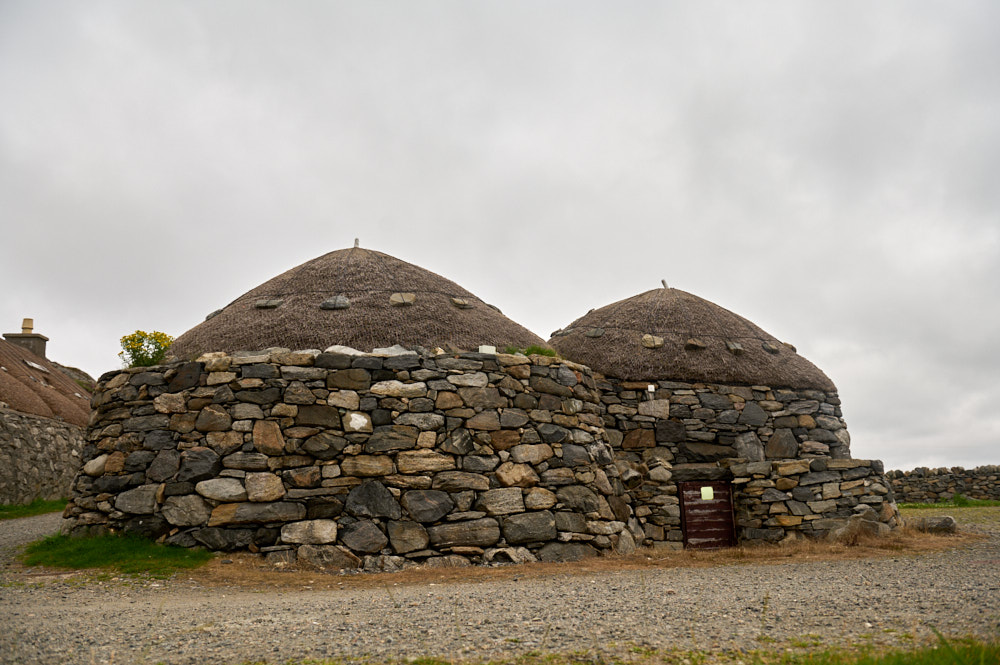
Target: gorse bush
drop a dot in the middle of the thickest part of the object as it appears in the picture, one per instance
(143, 349)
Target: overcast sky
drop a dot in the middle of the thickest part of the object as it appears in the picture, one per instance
(828, 170)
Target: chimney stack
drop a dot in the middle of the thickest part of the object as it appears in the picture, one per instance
(27, 339)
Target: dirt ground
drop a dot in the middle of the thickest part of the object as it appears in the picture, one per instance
(725, 603)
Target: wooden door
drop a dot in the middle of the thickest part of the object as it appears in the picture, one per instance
(707, 514)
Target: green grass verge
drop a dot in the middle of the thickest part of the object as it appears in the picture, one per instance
(131, 555)
(36, 507)
(957, 501)
(957, 652)
(961, 652)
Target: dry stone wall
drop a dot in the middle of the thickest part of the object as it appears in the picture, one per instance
(38, 457)
(786, 452)
(924, 485)
(357, 460)
(774, 500)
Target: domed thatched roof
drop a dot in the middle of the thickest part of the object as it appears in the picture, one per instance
(358, 298)
(32, 384)
(668, 334)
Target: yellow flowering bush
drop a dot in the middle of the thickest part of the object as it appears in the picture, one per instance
(142, 349)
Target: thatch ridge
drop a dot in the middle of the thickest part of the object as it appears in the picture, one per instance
(48, 394)
(677, 317)
(367, 278)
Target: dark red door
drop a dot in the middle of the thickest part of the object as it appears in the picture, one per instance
(707, 514)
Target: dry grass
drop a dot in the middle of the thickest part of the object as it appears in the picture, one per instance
(248, 571)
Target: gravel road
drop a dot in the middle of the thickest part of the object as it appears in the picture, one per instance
(725, 607)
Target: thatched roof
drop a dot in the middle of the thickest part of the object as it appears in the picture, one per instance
(688, 339)
(32, 384)
(358, 298)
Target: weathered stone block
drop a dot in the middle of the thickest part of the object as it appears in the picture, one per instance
(749, 447)
(187, 510)
(538, 498)
(579, 498)
(529, 527)
(349, 379)
(407, 536)
(503, 501)
(367, 466)
(474, 533)
(655, 408)
(484, 420)
(423, 461)
(531, 454)
(399, 437)
(505, 439)
(456, 481)
(372, 499)
(363, 536)
(267, 438)
(355, 421)
(138, 501)
(198, 464)
(422, 421)
(781, 445)
(311, 532)
(427, 505)
(246, 461)
(256, 513)
(565, 552)
(327, 557)
(263, 487)
(213, 418)
(753, 415)
(817, 477)
(319, 415)
(509, 474)
(222, 489)
(638, 439)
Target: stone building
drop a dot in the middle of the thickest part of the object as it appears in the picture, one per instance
(721, 432)
(359, 411)
(43, 411)
(263, 436)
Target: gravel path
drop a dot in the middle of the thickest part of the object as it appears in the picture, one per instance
(728, 607)
(15, 533)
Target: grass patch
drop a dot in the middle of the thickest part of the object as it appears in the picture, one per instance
(131, 555)
(36, 507)
(957, 501)
(533, 350)
(957, 652)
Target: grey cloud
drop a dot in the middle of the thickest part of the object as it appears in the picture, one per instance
(826, 170)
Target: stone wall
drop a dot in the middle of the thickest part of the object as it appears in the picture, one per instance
(357, 460)
(38, 457)
(923, 485)
(783, 450)
(774, 500)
